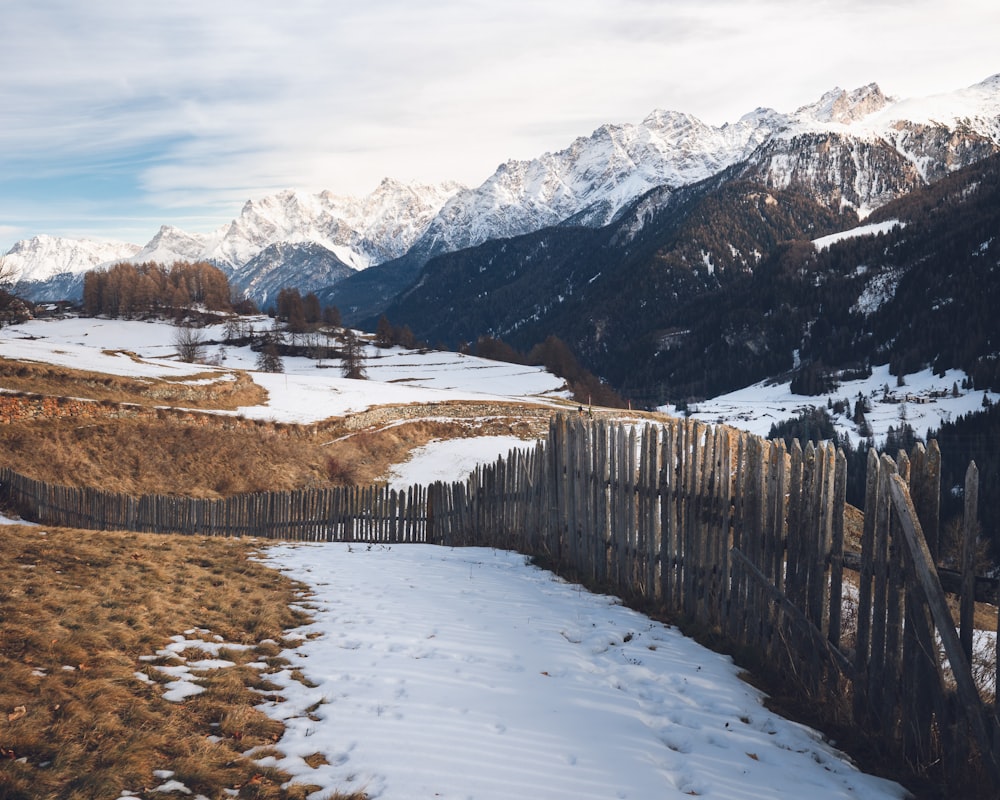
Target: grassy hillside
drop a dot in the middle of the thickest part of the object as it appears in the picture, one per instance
(131, 441)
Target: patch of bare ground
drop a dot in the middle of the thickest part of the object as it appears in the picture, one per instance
(225, 391)
(80, 609)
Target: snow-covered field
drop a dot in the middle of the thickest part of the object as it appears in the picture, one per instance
(303, 392)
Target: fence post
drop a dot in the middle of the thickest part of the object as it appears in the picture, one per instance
(863, 637)
(929, 585)
(969, 530)
(837, 549)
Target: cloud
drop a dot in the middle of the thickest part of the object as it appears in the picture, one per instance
(194, 104)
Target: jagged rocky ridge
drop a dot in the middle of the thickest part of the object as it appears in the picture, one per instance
(855, 150)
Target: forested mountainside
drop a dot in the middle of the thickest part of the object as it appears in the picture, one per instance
(705, 289)
(616, 294)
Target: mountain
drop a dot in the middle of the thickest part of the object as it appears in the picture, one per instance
(591, 180)
(51, 268)
(614, 294)
(698, 291)
(357, 232)
(856, 150)
(850, 149)
(305, 265)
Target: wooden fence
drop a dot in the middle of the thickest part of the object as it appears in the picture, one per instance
(732, 532)
(341, 514)
(747, 537)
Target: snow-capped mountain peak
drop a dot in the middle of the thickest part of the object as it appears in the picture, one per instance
(172, 244)
(360, 231)
(43, 257)
(840, 106)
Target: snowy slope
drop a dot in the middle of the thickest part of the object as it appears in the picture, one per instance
(872, 229)
(465, 673)
(925, 400)
(303, 393)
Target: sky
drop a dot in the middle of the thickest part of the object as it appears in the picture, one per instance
(117, 117)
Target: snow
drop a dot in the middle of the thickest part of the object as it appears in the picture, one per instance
(880, 289)
(977, 106)
(925, 401)
(706, 259)
(467, 673)
(43, 257)
(872, 229)
(444, 459)
(984, 651)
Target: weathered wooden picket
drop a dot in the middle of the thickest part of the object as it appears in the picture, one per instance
(729, 531)
(343, 514)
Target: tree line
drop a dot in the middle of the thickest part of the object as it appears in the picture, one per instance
(130, 290)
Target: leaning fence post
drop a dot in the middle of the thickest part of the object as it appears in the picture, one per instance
(969, 530)
(930, 586)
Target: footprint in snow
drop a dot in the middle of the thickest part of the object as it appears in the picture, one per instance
(679, 744)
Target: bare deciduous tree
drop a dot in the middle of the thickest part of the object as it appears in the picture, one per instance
(189, 343)
(12, 308)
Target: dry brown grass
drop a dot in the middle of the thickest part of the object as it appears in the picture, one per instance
(166, 456)
(201, 455)
(79, 609)
(162, 456)
(365, 457)
(210, 390)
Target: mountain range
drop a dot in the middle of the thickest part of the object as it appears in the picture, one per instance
(852, 151)
(675, 260)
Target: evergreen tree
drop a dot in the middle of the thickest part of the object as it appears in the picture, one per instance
(268, 359)
(353, 359)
